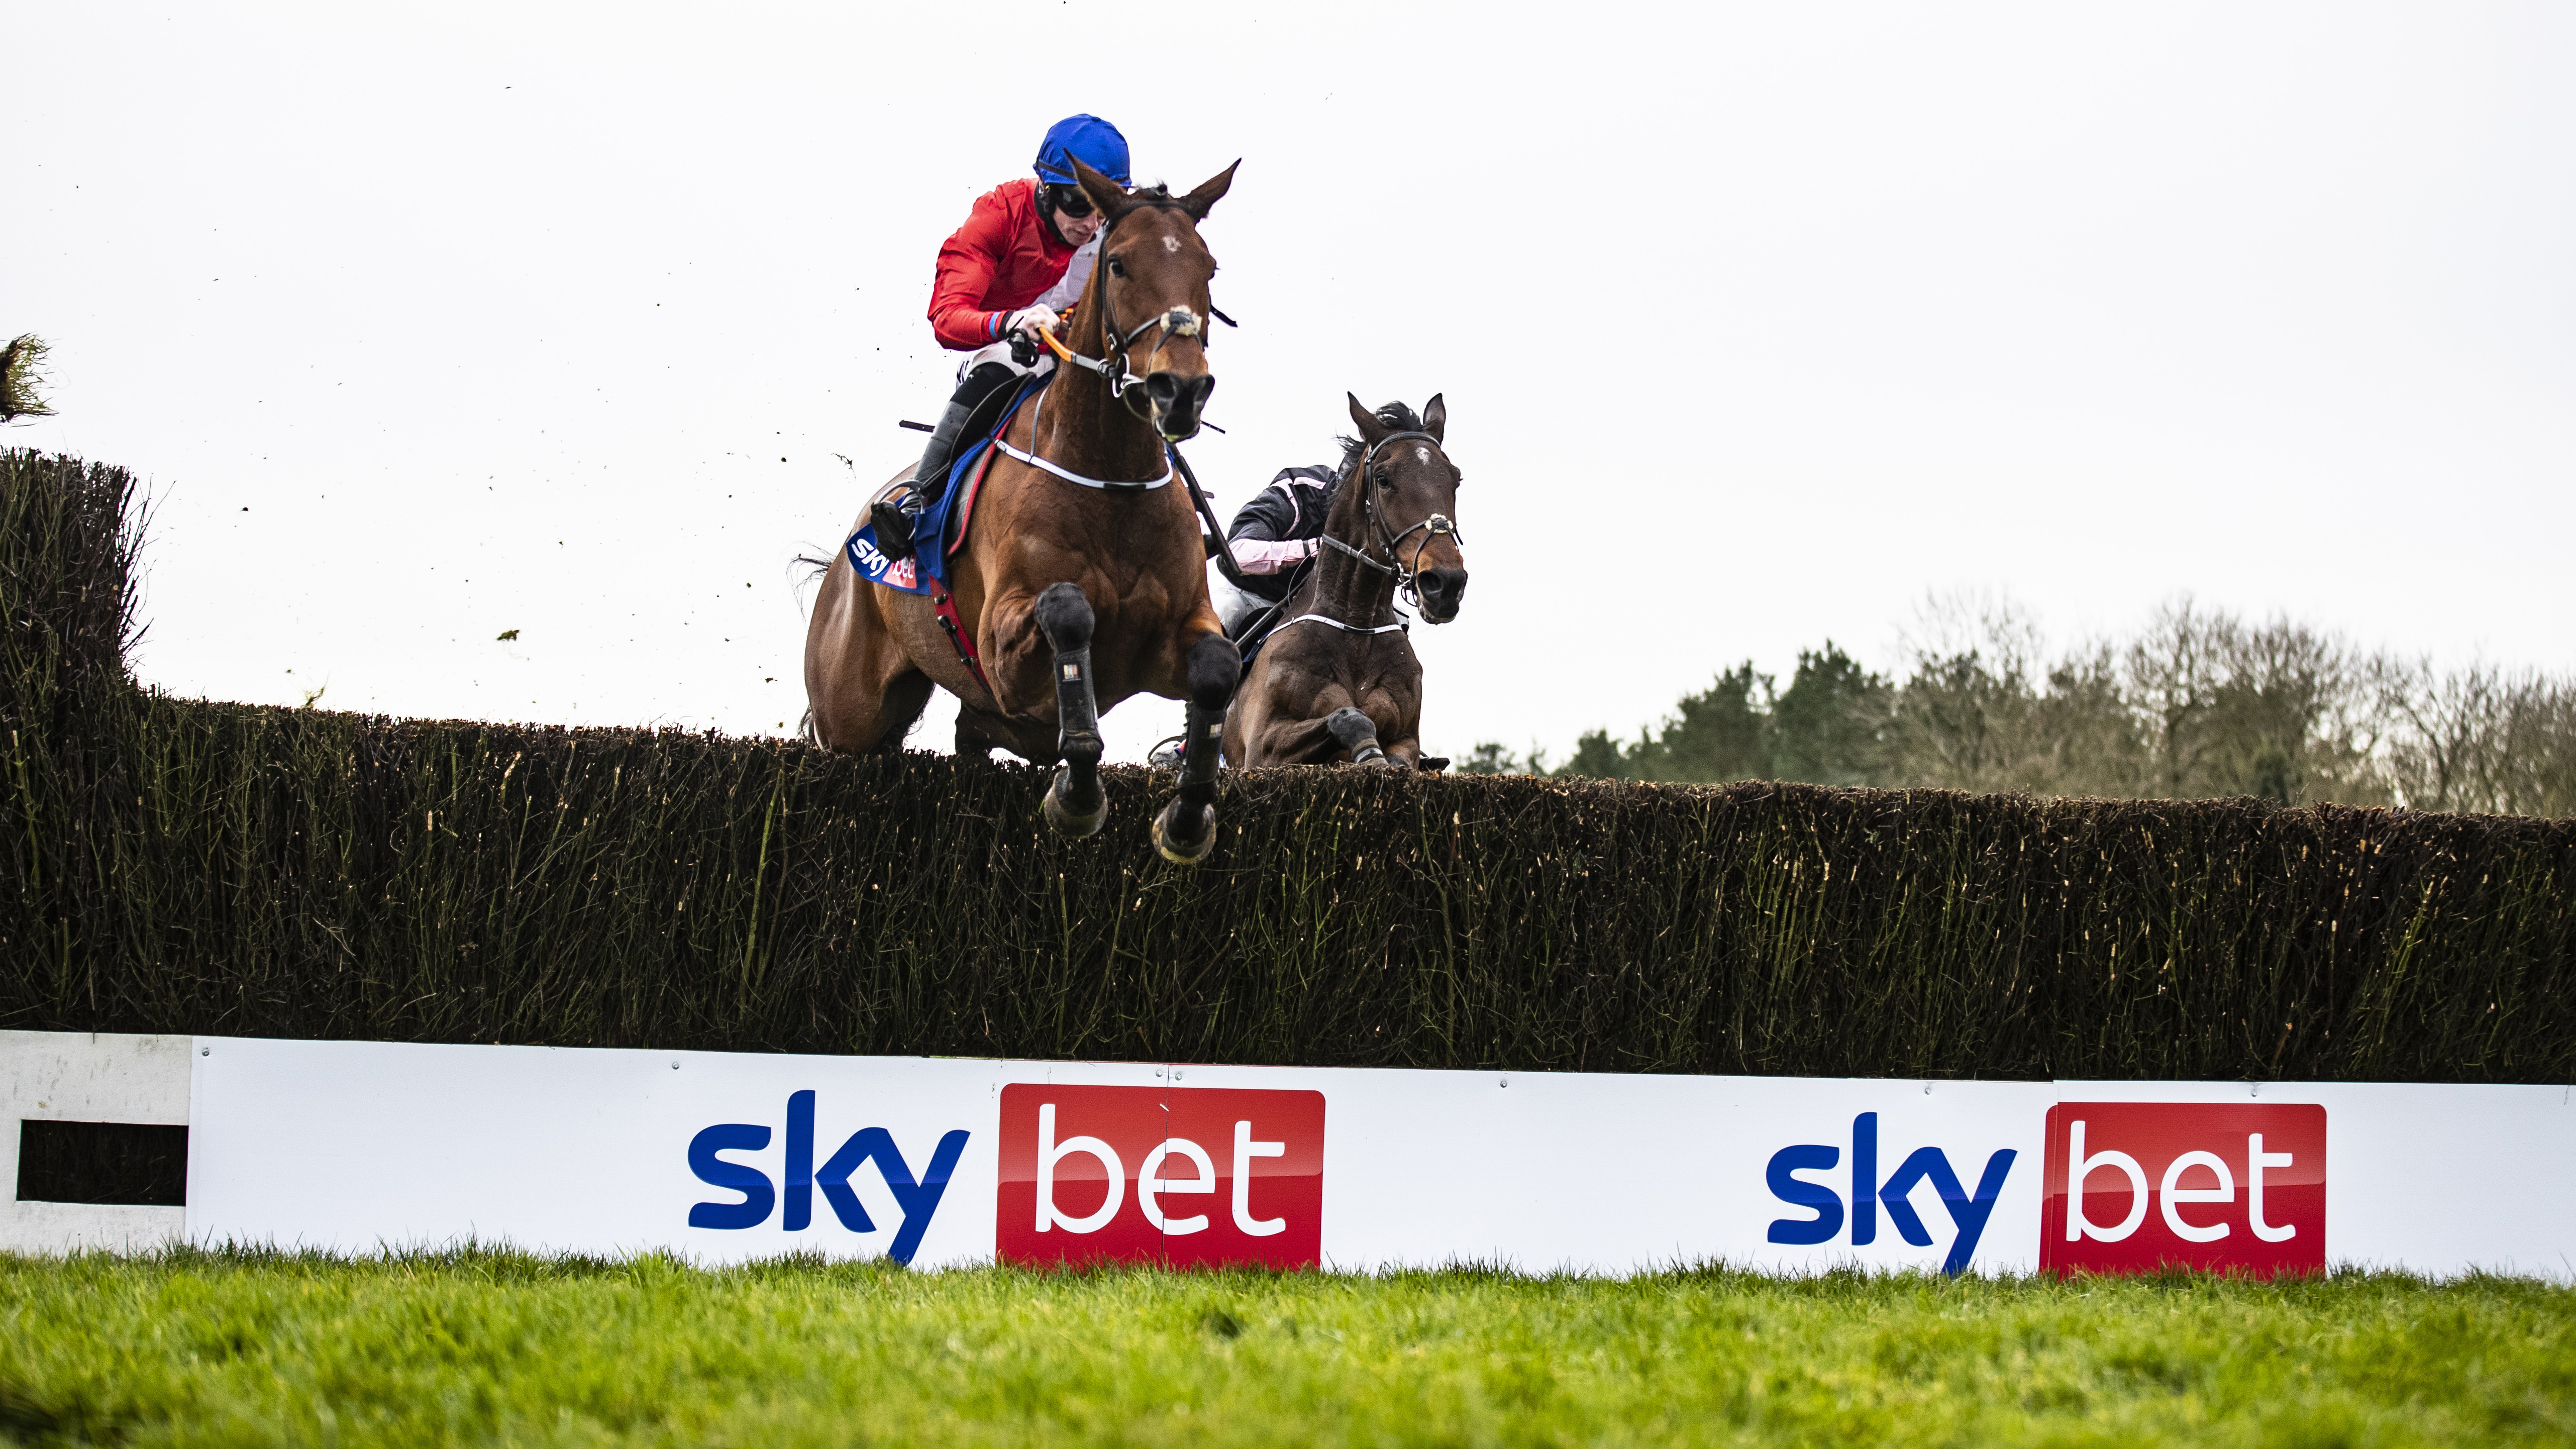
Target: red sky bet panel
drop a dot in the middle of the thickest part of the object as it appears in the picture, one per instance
(2134, 1186)
(1184, 1176)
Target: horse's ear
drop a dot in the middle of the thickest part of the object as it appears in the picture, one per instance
(1198, 202)
(1104, 193)
(1435, 418)
(1373, 430)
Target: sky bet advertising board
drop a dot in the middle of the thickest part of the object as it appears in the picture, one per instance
(358, 1147)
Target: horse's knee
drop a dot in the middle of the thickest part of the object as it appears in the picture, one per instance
(1355, 732)
(1350, 726)
(1064, 614)
(1213, 670)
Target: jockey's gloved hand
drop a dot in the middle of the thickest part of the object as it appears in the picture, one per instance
(1030, 319)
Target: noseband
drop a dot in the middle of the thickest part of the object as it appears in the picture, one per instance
(1174, 322)
(1437, 525)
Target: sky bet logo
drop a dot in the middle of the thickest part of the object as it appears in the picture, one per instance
(2131, 1187)
(1182, 1176)
(917, 1198)
(1968, 1212)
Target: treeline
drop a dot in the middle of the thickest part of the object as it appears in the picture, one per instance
(2198, 704)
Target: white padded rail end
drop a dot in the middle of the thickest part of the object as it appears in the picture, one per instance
(49, 1076)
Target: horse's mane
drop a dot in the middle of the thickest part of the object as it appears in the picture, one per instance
(1396, 416)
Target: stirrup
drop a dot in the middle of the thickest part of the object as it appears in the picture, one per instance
(894, 521)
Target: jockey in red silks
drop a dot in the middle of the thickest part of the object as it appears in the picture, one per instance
(1024, 255)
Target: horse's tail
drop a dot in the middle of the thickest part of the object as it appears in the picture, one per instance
(803, 584)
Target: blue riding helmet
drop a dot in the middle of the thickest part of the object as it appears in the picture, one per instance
(1093, 141)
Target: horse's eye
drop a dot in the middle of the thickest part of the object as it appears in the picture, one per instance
(1117, 268)
(1384, 478)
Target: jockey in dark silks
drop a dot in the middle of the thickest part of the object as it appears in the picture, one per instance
(1270, 537)
(1023, 256)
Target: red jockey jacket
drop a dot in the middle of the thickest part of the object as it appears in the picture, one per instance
(1001, 260)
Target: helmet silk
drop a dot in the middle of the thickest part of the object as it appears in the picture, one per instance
(1089, 139)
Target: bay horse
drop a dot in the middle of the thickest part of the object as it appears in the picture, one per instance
(1082, 578)
(1338, 680)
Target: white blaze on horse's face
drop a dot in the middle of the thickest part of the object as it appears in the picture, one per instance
(1421, 454)
(1157, 302)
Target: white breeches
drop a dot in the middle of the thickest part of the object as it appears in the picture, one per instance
(1233, 605)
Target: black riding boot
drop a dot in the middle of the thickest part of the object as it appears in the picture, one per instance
(895, 514)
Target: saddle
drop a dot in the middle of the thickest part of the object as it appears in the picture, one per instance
(926, 571)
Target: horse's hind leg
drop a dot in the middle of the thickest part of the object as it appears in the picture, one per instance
(899, 707)
(1075, 803)
(1185, 829)
(862, 691)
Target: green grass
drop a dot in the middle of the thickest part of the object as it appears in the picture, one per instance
(496, 1348)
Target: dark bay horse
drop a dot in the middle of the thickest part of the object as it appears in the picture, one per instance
(1078, 591)
(1338, 680)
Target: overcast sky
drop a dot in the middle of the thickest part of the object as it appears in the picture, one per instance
(1756, 324)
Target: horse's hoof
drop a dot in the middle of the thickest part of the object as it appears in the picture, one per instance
(1061, 816)
(1182, 852)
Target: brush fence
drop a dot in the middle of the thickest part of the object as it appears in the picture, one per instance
(199, 868)
(184, 867)
(357, 1147)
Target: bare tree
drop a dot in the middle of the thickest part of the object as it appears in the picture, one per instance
(2197, 704)
(2480, 739)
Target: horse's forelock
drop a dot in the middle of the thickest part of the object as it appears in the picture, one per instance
(1398, 419)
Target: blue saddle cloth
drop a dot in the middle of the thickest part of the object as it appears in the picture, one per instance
(926, 572)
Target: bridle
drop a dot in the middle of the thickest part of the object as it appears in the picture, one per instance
(1174, 322)
(1436, 526)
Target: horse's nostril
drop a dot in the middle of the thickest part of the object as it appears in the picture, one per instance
(1442, 590)
(1163, 387)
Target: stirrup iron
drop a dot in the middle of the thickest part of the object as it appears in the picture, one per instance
(894, 517)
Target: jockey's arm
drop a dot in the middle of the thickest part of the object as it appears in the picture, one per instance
(1270, 556)
(1060, 298)
(1256, 540)
(967, 261)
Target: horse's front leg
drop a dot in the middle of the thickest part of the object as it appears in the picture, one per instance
(1357, 733)
(1075, 803)
(1185, 828)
